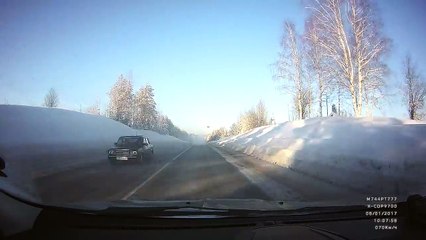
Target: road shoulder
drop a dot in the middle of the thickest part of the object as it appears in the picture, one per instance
(282, 183)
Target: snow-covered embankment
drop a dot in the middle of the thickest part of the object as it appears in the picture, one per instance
(376, 156)
(36, 141)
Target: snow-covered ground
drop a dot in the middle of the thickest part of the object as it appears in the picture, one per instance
(36, 141)
(374, 155)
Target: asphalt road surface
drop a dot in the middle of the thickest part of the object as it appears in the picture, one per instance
(192, 172)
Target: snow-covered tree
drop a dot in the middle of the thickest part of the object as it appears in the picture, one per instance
(162, 126)
(255, 117)
(173, 130)
(217, 134)
(261, 114)
(235, 128)
(121, 104)
(414, 90)
(51, 99)
(248, 120)
(145, 111)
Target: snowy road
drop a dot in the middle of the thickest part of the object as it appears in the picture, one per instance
(61, 155)
(197, 172)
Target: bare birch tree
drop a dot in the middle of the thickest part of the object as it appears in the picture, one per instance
(352, 40)
(317, 61)
(369, 47)
(414, 90)
(51, 99)
(290, 70)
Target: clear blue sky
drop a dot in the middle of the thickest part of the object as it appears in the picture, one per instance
(207, 60)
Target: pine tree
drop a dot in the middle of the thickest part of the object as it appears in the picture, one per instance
(145, 108)
(162, 124)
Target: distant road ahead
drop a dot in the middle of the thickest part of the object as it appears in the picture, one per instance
(197, 172)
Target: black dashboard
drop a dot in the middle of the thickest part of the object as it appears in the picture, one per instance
(20, 220)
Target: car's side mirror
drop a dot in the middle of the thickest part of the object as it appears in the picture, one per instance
(115, 144)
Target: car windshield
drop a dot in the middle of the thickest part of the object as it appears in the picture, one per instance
(236, 103)
(128, 141)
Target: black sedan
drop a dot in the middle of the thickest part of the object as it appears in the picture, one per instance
(130, 148)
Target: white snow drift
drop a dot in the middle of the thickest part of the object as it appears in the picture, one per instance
(374, 155)
(36, 141)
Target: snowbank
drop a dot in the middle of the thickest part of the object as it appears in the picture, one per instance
(374, 155)
(37, 141)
